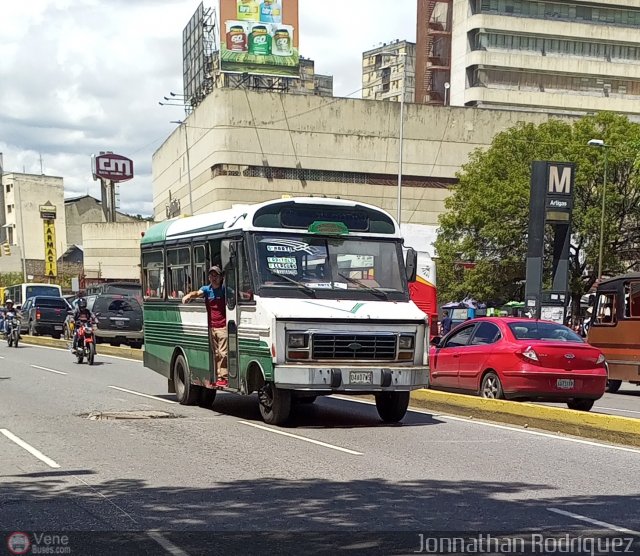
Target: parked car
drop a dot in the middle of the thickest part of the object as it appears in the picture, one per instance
(519, 358)
(44, 315)
(119, 319)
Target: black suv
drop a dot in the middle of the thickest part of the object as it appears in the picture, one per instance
(119, 319)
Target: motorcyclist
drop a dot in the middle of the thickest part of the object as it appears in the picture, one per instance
(9, 310)
(80, 316)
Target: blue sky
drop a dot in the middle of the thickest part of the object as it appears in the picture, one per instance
(83, 76)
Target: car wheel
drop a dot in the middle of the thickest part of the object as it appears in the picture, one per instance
(613, 386)
(580, 404)
(491, 387)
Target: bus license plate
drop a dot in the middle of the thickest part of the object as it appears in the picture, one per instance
(361, 377)
(565, 383)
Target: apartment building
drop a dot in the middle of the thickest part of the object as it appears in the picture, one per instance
(387, 69)
(559, 56)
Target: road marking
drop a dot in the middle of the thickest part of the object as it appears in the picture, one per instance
(29, 448)
(100, 354)
(303, 438)
(616, 409)
(505, 427)
(50, 370)
(141, 394)
(166, 544)
(604, 524)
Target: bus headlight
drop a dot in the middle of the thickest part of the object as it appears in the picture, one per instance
(298, 341)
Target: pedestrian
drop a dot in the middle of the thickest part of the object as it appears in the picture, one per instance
(215, 298)
(445, 325)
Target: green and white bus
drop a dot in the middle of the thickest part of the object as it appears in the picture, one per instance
(317, 304)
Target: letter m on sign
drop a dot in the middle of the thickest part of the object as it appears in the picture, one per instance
(560, 179)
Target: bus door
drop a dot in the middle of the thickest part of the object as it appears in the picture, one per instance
(229, 252)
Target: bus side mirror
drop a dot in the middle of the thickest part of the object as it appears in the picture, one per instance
(411, 264)
(227, 253)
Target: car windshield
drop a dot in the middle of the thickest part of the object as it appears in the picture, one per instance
(546, 331)
(332, 267)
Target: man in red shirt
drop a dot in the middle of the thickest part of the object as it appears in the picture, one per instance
(214, 296)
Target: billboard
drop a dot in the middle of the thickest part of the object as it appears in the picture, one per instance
(259, 37)
(111, 167)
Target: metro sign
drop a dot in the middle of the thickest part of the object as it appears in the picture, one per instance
(112, 167)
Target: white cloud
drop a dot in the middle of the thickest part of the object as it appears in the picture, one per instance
(83, 76)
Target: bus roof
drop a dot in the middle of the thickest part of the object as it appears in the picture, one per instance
(243, 217)
(610, 281)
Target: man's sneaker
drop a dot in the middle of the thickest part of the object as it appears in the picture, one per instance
(222, 383)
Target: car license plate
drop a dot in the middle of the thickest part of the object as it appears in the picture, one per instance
(565, 383)
(58, 327)
(361, 377)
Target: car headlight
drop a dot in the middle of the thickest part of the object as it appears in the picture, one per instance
(405, 342)
(298, 341)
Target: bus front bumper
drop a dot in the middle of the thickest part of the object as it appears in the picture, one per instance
(350, 379)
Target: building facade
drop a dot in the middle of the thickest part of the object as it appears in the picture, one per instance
(388, 70)
(249, 147)
(562, 56)
(23, 228)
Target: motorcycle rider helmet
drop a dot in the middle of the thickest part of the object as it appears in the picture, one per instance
(82, 303)
(8, 302)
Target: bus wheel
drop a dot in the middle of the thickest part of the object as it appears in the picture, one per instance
(392, 406)
(275, 404)
(613, 386)
(186, 393)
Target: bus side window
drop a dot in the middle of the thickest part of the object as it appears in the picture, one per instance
(606, 309)
(178, 272)
(200, 267)
(632, 300)
(152, 275)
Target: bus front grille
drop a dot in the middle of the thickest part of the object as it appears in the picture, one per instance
(357, 347)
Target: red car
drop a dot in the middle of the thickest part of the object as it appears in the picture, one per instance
(519, 358)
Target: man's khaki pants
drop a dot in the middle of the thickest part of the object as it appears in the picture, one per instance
(220, 346)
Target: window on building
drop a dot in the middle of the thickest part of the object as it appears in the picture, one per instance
(10, 236)
(8, 209)
(8, 188)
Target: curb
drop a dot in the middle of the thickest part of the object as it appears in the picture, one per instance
(102, 349)
(610, 428)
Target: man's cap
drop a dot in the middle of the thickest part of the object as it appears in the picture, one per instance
(216, 269)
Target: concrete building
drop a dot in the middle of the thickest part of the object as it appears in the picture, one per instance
(112, 250)
(385, 68)
(248, 147)
(562, 56)
(85, 210)
(22, 196)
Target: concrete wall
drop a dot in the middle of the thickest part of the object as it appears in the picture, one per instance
(113, 250)
(85, 210)
(22, 202)
(244, 128)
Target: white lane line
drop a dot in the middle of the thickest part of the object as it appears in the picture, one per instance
(604, 524)
(29, 448)
(304, 439)
(98, 353)
(141, 394)
(616, 409)
(50, 370)
(166, 544)
(505, 427)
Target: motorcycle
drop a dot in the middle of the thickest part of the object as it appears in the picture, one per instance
(12, 323)
(86, 346)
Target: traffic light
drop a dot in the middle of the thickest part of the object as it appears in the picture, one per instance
(6, 249)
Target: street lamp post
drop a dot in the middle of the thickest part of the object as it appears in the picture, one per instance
(186, 143)
(600, 144)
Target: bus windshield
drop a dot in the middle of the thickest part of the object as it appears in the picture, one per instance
(32, 291)
(326, 267)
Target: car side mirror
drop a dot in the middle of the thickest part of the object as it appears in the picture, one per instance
(436, 341)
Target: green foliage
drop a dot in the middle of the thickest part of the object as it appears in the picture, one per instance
(10, 278)
(487, 216)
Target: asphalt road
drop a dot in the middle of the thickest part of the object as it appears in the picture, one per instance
(335, 478)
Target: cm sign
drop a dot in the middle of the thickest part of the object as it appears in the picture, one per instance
(111, 167)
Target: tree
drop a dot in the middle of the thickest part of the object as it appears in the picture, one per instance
(487, 215)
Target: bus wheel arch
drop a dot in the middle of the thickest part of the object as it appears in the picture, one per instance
(255, 377)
